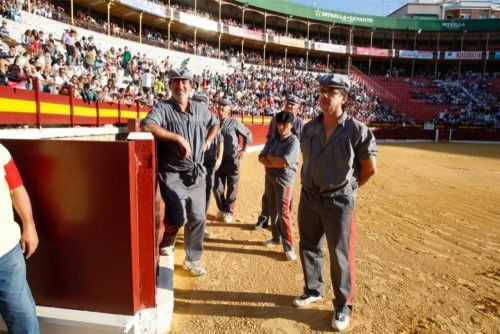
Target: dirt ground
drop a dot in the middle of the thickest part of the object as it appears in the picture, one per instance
(427, 253)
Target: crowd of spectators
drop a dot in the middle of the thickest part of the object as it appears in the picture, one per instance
(365, 105)
(469, 97)
(11, 9)
(129, 30)
(70, 64)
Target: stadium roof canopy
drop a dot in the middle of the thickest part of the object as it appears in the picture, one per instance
(287, 8)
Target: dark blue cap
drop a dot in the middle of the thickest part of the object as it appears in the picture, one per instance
(284, 117)
(201, 98)
(293, 99)
(332, 81)
(224, 101)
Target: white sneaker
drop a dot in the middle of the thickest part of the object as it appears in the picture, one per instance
(208, 235)
(167, 250)
(228, 218)
(305, 300)
(290, 255)
(340, 321)
(195, 267)
(220, 214)
(271, 243)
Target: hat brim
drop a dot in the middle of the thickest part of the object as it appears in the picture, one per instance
(179, 77)
(342, 88)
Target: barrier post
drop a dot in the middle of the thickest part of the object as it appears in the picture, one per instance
(71, 107)
(119, 111)
(37, 100)
(98, 116)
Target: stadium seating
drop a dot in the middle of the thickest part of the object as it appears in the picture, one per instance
(197, 63)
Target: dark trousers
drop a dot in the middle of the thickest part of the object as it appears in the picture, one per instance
(279, 195)
(264, 211)
(226, 185)
(332, 219)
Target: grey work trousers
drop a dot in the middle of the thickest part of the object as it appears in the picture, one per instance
(264, 210)
(279, 195)
(331, 218)
(226, 182)
(185, 201)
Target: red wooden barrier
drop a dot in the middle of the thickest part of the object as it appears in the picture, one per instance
(93, 205)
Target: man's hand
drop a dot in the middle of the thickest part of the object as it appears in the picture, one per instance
(206, 145)
(240, 154)
(184, 147)
(29, 239)
(22, 204)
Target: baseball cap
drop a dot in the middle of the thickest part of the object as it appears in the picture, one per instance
(180, 73)
(332, 80)
(284, 117)
(293, 99)
(224, 101)
(200, 98)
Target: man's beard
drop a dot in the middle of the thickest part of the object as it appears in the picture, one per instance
(180, 97)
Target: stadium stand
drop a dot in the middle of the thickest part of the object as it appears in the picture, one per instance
(257, 90)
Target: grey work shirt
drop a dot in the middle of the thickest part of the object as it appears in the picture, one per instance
(193, 125)
(211, 152)
(331, 168)
(287, 148)
(298, 124)
(230, 128)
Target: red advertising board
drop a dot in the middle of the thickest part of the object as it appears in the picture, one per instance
(372, 52)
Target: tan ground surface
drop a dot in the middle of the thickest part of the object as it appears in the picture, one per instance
(427, 254)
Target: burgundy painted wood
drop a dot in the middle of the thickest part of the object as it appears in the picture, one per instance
(90, 218)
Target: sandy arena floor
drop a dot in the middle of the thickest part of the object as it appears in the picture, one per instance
(427, 254)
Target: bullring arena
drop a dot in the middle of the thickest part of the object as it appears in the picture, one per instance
(427, 252)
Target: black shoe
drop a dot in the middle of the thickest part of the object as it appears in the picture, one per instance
(260, 226)
(261, 223)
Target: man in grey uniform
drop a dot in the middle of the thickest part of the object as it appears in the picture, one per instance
(292, 105)
(184, 129)
(228, 174)
(213, 155)
(338, 157)
(280, 156)
(211, 161)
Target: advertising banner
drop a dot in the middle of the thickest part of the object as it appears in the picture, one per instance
(330, 47)
(197, 21)
(372, 52)
(497, 55)
(416, 54)
(147, 7)
(307, 12)
(464, 55)
(246, 33)
(299, 43)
